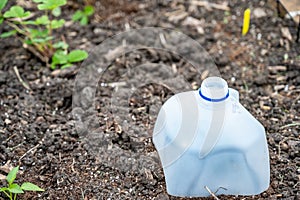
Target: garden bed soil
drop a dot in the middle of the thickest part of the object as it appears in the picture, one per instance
(38, 131)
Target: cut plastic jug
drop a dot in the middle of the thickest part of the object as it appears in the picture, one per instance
(207, 141)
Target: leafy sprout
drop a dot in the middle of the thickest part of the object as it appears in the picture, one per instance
(13, 189)
(83, 15)
(38, 32)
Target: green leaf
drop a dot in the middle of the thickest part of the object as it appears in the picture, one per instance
(78, 14)
(60, 45)
(77, 55)
(3, 189)
(42, 40)
(16, 11)
(38, 1)
(11, 176)
(28, 22)
(38, 33)
(88, 10)
(51, 4)
(56, 11)
(59, 57)
(84, 20)
(2, 4)
(53, 66)
(66, 66)
(15, 188)
(38, 40)
(7, 34)
(1, 19)
(43, 20)
(28, 41)
(31, 187)
(57, 23)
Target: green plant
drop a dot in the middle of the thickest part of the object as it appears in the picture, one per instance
(13, 189)
(83, 15)
(37, 34)
(66, 60)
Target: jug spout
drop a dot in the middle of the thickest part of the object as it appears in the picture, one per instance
(214, 89)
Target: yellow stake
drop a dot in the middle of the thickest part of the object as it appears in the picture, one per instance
(246, 23)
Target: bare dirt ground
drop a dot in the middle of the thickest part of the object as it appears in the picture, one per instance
(264, 66)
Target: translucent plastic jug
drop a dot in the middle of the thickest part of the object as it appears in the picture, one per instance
(207, 141)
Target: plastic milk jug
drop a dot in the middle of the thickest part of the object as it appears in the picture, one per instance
(209, 143)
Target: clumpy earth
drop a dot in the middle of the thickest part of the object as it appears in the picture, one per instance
(97, 145)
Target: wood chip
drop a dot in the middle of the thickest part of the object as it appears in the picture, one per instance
(7, 167)
(204, 75)
(7, 121)
(112, 54)
(262, 106)
(279, 87)
(191, 21)
(2, 177)
(180, 16)
(209, 5)
(286, 33)
(277, 68)
(259, 12)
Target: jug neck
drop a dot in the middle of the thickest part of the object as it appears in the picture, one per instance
(214, 89)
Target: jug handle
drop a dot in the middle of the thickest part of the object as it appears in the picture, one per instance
(234, 93)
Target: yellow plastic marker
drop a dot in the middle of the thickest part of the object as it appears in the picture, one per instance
(246, 23)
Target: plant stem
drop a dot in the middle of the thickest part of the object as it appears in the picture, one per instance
(6, 194)
(50, 32)
(40, 48)
(290, 125)
(26, 33)
(16, 28)
(15, 196)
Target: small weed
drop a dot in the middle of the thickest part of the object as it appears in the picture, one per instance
(37, 34)
(83, 15)
(13, 189)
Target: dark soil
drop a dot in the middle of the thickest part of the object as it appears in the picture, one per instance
(39, 132)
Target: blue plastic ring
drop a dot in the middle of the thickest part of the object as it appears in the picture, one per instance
(213, 100)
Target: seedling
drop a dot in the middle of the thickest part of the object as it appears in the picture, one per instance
(66, 60)
(37, 34)
(83, 15)
(13, 189)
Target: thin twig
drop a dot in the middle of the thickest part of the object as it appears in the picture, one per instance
(211, 193)
(25, 85)
(282, 141)
(10, 137)
(82, 194)
(32, 149)
(33, 50)
(72, 165)
(162, 39)
(26, 33)
(290, 125)
(27, 152)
